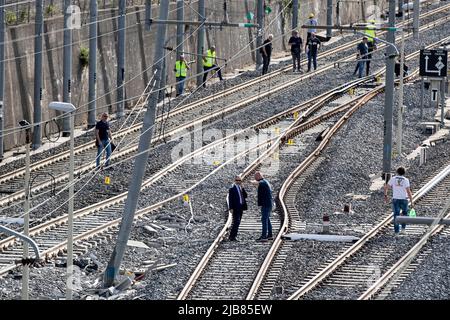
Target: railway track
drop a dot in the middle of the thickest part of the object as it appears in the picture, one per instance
(100, 220)
(176, 123)
(227, 273)
(363, 268)
(434, 197)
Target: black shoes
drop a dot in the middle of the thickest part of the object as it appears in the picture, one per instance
(260, 239)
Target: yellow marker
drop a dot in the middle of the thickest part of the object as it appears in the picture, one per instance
(290, 142)
(185, 197)
(378, 80)
(351, 91)
(216, 163)
(107, 180)
(295, 115)
(277, 130)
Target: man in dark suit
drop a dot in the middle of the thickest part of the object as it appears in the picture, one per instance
(237, 204)
(265, 202)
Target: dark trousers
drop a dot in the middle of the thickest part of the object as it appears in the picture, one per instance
(296, 60)
(370, 46)
(265, 220)
(312, 56)
(207, 69)
(266, 62)
(237, 215)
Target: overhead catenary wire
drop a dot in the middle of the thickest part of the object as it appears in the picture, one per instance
(132, 157)
(236, 56)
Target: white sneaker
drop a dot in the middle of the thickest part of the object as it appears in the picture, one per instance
(403, 231)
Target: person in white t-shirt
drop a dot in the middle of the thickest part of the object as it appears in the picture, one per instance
(401, 190)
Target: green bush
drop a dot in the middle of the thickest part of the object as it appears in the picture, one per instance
(84, 57)
(50, 10)
(23, 15)
(11, 17)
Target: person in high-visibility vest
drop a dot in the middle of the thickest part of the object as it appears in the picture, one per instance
(371, 42)
(312, 23)
(181, 68)
(210, 63)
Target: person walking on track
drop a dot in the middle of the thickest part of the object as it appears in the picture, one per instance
(313, 46)
(266, 51)
(296, 43)
(400, 191)
(210, 63)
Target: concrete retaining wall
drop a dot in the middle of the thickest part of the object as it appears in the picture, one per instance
(230, 42)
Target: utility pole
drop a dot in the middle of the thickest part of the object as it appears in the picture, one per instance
(259, 36)
(400, 93)
(142, 158)
(400, 7)
(180, 28)
(92, 106)
(37, 115)
(295, 14)
(121, 59)
(26, 209)
(389, 95)
(148, 14)
(250, 33)
(443, 82)
(2, 74)
(200, 42)
(329, 17)
(67, 63)
(416, 12)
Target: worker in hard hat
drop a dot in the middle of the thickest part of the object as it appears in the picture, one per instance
(312, 22)
(371, 42)
(181, 68)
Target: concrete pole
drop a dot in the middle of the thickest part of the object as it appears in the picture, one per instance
(329, 17)
(67, 64)
(92, 107)
(294, 14)
(200, 42)
(400, 6)
(2, 74)
(37, 115)
(26, 209)
(259, 37)
(142, 158)
(70, 211)
(400, 92)
(250, 34)
(121, 59)
(389, 96)
(443, 81)
(162, 92)
(416, 12)
(180, 28)
(422, 97)
(338, 17)
(148, 14)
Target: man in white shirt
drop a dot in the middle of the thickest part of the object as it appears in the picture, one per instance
(401, 190)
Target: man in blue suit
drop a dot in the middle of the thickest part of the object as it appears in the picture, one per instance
(265, 202)
(237, 204)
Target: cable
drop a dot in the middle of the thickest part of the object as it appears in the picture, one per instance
(151, 127)
(18, 129)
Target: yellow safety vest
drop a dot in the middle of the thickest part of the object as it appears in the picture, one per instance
(370, 30)
(210, 57)
(181, 69)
